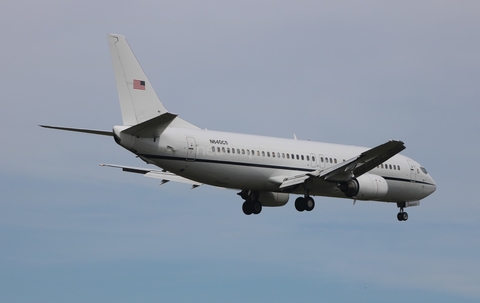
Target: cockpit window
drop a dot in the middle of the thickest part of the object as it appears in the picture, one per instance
(424, 170)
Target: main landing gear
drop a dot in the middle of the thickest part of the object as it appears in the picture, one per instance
(304, 203)
(251, 204)
(252, 207)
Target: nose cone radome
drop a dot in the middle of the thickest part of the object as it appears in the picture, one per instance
(430, 187)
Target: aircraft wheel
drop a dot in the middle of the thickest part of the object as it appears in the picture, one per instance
(402, 216)
(300, 204)
(247, 208)
(256, 207)
(309, 204)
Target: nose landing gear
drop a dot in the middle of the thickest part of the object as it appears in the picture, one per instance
(402, 215)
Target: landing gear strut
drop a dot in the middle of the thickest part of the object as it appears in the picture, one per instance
(304, 203)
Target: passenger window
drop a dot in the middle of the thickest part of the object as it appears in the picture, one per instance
(313, 158)
(321, 159)
(298, 158)
(398, 167)
(273, 154)
(258, 153)
(288, 156)
(268, 154)
(218, 149)
(213, 148)
(308, 158)
(335, 160)
(263, 153)
(243, 151)
(283, 155)
(331, 160)
(390, 166)
(301, 157)
(228, 149)
(248, 152)
(223, 149)
(233, 150)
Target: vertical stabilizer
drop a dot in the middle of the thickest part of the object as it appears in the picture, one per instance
(138, 100)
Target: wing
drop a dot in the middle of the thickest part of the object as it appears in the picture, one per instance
(353, 167)
(165, 176)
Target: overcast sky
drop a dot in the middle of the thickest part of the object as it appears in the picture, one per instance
(359, 73)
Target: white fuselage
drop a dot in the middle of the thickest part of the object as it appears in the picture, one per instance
(260, 163)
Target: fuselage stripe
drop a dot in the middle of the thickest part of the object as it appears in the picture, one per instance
(261, 166)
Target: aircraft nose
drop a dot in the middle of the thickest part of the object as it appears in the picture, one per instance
(430, 187)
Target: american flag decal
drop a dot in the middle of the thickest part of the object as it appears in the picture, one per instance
(139, 84)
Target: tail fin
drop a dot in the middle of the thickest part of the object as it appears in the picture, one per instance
(138, 100)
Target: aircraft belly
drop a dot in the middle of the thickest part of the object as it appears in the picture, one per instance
(403, 190)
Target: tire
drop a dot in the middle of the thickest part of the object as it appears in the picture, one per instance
(247, 208)
(300, 204)
(256, 207)
(309, 204)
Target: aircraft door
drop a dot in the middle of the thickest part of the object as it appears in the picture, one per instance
(313, 161)
(321, 161)
(413, 174)
(191, 149)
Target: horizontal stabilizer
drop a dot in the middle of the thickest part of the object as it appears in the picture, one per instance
(81, 130)
(151, 128)
(165, 176)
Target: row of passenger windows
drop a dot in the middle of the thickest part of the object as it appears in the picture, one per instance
(262, 153)
(389, 166)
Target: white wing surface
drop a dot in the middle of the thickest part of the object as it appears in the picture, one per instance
(354, 167)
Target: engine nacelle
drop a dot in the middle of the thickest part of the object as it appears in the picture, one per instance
(365, 187)
(268, 198)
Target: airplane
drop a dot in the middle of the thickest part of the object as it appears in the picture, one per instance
(265, 170)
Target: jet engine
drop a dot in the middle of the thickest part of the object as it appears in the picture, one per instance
(268, 198)
(365, 187)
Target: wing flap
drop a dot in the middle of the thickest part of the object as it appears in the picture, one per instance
(298, 179)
